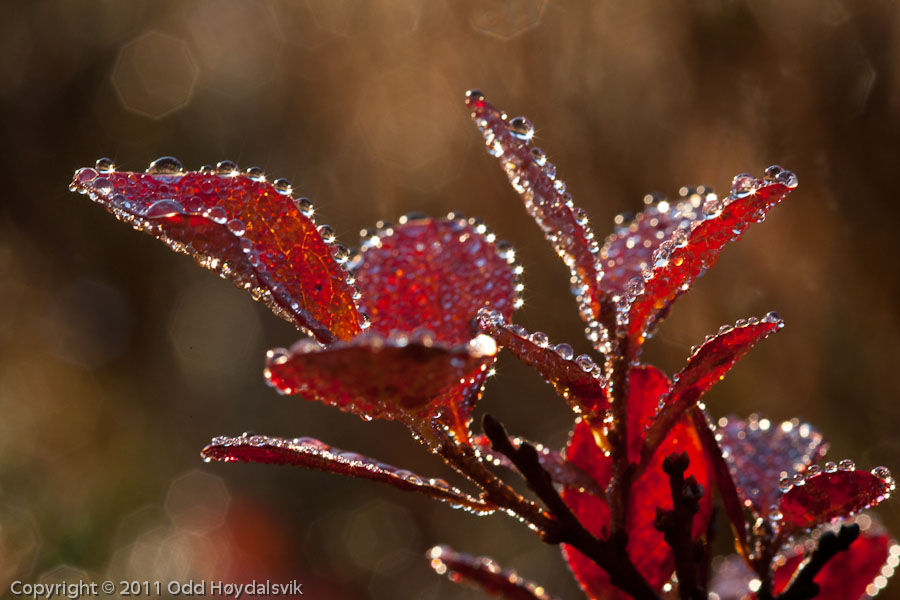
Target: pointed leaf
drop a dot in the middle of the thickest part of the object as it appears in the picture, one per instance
(859, 572)
(310, 453)
(646, 546)
(434, 274)
(759, 454)
(578, 380)
(721, 473)
(407, 379)
(706, 366)
(484, 574)
(247, 229)
(628, 251)
(564, 225)
(827, 495)
(677, 262)
(560, 470)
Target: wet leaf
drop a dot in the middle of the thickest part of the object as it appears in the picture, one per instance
(484, 574)
(706, 366)
(824, 496)
(759, 454)
(564, 225)
(577, 379)
(310, 453)
(242, 227)
(678, 261)
(400, 378)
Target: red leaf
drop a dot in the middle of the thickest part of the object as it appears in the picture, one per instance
(578, 380)
(407, 379)
(646, 546)
(243, 227)
(560, 470)
(721, 472)
(760, 453)
(677, 262)
(434, 274)
(859, 572)
(565, 226)
(484, 574)
(629, 249)
(823, 496)
(706, 366)
(310, 453)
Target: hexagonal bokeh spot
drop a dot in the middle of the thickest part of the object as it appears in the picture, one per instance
(238, 43)
(507, 19)
(197, 501)
(155, 75)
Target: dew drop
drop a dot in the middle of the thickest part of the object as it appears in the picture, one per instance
(255, 173)
(340, 253)
(830, 467)
(787, 179)
(327, 233)
(105, 165)
(216, 214)
(539, 156)
(521, 128)
(539, 339)
(772, 172)
(165, 165)
(163, 208)
(743, 185)
(102, 186)
(237, 227)
(549, 170)
(474, 95)
(305, 206)
(799, 479)
(585, 362)
(846, 465)
(813, 470)
(882, 473)
(283, 186)
(85, 175)
(564, 350)
(226, 167)
(785, 484)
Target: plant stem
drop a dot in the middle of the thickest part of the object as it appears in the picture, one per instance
(802, 586)
(609, 554)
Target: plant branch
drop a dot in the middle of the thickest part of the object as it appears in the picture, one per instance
(676, 525)
(618, 366)
(802, 586)
(609, 554)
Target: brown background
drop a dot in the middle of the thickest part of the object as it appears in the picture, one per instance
(119, 359)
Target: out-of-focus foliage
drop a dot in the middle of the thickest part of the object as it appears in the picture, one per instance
(103, 410)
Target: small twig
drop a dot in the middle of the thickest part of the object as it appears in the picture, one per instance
(609, 554)
(802, 586)
(676, 525)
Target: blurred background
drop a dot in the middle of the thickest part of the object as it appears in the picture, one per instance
(119, 360)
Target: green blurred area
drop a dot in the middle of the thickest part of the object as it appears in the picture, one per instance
(119, 360)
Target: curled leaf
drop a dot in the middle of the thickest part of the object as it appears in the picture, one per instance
(706, 366)
(564, 225)
(483, 573)
(678, 261)
(577, 379)
(250, 231)
(826, 495)
(407, 378)
(560, 470)
(310, 453)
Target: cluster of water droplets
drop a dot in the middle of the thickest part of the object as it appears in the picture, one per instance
(482, 570)
(771, 318)
(489, 319)
(314, 454)
(666, 228)
(565, 226)
(160, 184)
